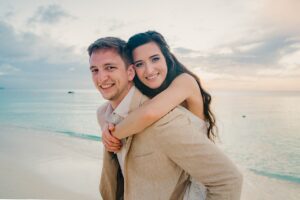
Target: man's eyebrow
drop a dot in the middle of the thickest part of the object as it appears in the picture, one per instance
(110, 63)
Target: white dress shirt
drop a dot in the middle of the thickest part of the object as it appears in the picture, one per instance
(116, 116)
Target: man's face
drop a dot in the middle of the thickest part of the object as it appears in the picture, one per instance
(110, 75)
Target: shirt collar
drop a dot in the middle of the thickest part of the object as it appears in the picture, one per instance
(123, 108)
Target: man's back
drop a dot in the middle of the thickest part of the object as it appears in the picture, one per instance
(151, 173)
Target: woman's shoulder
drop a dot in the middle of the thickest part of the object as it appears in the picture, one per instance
(187, 80)
(185, 77)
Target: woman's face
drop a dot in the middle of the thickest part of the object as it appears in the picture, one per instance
(150, 65)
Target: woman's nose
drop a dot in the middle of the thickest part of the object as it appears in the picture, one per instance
(149, 68)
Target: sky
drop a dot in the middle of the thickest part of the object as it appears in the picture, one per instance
(230, 45)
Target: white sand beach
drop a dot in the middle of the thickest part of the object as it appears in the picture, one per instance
(45, 165)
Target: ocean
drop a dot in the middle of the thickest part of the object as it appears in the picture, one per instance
(258, 130)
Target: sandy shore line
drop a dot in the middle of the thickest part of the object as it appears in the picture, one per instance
(256, 187)
(45, 165)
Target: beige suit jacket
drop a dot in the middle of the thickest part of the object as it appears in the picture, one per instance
(159, 161)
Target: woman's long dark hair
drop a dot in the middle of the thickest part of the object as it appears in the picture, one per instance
(175, 68)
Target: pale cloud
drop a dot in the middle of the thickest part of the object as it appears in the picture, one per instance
(42, 61)
(6, 69)
(183, 51)
(48, 14)
(115, 24)
(227, 40)
(269, 56)
(249, 47)
(282, 15)
(291, 61)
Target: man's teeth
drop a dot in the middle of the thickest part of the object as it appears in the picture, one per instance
(152, 76)
(104, 86)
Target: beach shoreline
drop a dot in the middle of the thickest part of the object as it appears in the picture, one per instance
(42, 165)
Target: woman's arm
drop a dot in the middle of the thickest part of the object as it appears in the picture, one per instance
(182, 88)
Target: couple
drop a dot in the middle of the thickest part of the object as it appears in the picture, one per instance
(157, 127)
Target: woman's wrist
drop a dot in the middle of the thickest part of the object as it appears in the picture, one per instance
(116, 133)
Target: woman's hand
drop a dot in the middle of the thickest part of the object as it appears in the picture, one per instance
(111, 143)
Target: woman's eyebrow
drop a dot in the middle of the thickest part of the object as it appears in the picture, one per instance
(154, 55)
(137, 61)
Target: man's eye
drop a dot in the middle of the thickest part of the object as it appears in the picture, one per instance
(110, 68)
(94, 70)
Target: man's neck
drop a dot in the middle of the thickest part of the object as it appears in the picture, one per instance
(114, 104)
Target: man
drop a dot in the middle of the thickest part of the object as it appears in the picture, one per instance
(157, 163)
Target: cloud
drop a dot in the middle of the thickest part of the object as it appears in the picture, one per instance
(267, 46)
(273, 55)
(28, 60)
(50, 14)
(115, 24)
(7, 69)
(183, 51)
(282, 15)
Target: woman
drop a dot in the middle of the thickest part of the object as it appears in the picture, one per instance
(160, 75)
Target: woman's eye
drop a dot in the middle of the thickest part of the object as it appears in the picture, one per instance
(155, 59)
(138, 65)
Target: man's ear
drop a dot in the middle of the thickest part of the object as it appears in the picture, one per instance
(130, 72)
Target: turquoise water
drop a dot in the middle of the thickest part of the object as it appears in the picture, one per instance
(259, 130)
(52, 110)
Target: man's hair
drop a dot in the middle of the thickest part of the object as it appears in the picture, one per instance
(114, 43)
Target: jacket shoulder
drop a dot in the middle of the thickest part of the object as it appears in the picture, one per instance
(101, 114)
(179, 113)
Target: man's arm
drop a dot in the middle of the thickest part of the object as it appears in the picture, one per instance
(183, 139)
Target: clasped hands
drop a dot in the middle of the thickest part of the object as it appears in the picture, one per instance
(111, 143)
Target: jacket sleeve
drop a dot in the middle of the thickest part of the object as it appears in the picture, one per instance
(182, 137)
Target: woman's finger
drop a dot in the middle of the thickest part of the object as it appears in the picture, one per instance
(111, 148)
(111, 127)
(110, 137)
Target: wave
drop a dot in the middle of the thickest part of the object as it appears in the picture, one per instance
(80, 135)
(285, 177)
(65, 132)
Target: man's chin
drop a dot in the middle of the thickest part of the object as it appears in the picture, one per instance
(106, 96)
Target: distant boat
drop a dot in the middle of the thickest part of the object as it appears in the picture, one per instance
(71, 92)
(244, 116)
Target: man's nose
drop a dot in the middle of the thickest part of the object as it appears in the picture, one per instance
(102, 76)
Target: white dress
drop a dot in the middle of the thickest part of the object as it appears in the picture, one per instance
(195, 191)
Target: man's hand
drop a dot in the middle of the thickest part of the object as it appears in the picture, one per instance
(111, 143)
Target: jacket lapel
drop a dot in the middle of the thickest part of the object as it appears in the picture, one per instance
(137, 100)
